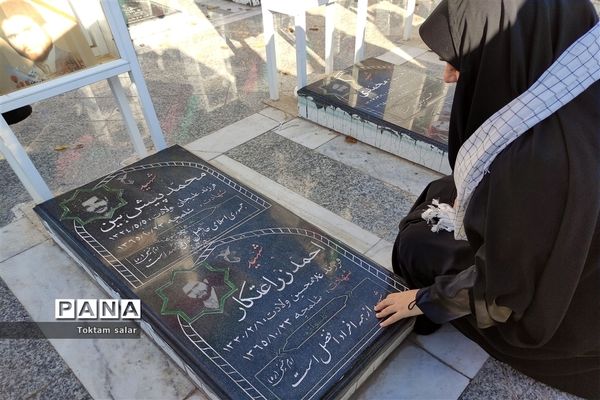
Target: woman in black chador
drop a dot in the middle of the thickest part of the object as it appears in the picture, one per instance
(508, 248)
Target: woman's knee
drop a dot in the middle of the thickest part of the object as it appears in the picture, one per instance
(410, 255)
(421, 255)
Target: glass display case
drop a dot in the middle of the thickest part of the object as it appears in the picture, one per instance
(50, 47)
(42, 39)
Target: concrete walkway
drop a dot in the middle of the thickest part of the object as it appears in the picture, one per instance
(438, 366)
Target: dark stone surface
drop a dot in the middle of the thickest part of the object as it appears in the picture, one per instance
(404, 97)
(497, 381)
(258, 302)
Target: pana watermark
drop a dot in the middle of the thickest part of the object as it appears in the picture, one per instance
(97, 309)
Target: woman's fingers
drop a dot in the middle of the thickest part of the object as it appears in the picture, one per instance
(389, 300)
(385, 312)
(383, 303)
(390, 320)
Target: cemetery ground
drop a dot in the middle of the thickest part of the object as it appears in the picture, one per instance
(205, 68)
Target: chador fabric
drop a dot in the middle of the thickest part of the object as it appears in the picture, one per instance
(575, 71)
(526, 283)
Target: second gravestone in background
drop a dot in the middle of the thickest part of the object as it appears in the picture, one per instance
(403, 109)
(247, 297)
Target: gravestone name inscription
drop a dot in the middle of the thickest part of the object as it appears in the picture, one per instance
(255, 301)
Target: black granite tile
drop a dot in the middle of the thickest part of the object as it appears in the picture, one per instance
(28, 365)
(31, 367)
(499, 381)
(10, 307)
(12, 193)
(544, 392)
(369, 203)
(66, 386)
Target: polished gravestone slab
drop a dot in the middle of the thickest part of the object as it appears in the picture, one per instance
(249, 299)
(403, 109)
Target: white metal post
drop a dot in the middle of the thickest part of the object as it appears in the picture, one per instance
(361, 26)
(132, 128)
(329, 30)
(21, 164)
(408, 19)
(269, 35)
(300, 29)
(147, 106)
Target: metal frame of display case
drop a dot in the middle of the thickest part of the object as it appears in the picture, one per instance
(127, 62)
(297, 9)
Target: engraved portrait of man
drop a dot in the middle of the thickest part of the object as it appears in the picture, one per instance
(196, 292)
(203, 291)
(95, 204)
(91, 204)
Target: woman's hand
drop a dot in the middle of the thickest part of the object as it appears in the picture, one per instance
(397, 306)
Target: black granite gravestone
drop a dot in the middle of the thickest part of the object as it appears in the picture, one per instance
(248, 297)
(404, 98)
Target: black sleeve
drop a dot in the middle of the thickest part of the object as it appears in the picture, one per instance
(448, 298)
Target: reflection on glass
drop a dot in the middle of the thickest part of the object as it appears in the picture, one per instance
(141, 10)
(42, 40)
